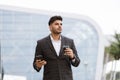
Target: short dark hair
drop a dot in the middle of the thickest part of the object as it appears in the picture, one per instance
(54, 18)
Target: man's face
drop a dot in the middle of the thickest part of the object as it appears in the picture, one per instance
(56, 27)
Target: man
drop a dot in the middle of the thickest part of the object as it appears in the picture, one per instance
(51, 54)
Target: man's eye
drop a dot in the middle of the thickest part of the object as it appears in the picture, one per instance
(56, 24)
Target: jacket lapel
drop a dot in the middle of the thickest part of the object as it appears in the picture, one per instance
(49, 42)
(61, 52)
(62, 43)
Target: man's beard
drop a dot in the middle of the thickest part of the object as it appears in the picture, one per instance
(55, 32)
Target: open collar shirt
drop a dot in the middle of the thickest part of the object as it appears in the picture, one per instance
(56, 44)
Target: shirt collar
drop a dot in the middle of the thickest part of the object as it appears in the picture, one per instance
(53, 39)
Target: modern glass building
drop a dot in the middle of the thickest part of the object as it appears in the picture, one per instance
(21, 28)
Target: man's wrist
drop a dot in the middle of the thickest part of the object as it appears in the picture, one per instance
(73, 57)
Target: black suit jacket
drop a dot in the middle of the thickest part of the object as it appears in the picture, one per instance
(57, 67)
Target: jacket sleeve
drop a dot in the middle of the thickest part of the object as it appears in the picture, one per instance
(37, 52)
(76, 60)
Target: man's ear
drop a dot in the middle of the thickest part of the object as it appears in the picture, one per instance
(50, 28)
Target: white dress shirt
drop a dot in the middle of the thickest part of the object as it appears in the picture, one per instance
(56, 44)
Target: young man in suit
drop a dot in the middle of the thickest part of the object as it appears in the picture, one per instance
(51, 54)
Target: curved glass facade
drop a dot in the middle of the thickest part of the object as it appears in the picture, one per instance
(21, 30)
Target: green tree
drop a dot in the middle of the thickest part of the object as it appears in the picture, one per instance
(114, 50)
